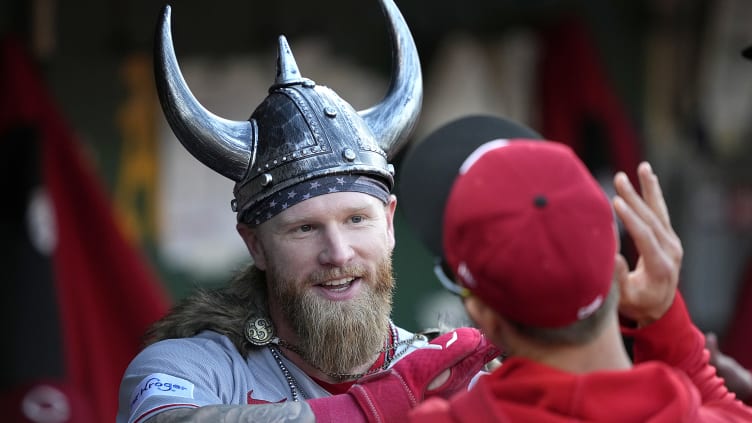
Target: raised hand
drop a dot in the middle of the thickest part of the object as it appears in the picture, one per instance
(649, 289)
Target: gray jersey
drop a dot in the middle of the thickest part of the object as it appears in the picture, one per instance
(207, 369)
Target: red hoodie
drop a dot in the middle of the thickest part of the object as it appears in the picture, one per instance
(677, 386)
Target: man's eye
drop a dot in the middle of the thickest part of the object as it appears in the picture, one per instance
(306, 228)
(357, 219)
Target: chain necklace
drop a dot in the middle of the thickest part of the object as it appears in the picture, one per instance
(289, 378)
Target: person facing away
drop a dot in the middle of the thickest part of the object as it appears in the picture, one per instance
(532, 243)
(304, 332)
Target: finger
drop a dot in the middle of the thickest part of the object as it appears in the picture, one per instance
(711, 342)
(626, 191)
(652, 193)
(642, 234)
(621, 268)
(621, 276)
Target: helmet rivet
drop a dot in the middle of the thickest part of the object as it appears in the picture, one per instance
(266, 179)
(234, 205)
(309, 83)
(330, 112)
(390, 168)
(348, 154)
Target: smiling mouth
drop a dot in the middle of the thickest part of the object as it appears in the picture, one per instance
(338, 284)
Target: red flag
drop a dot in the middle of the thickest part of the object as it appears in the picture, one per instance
(579, 105)
(107, 294)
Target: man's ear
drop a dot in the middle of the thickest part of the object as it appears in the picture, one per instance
(253, 243)
(389, 209)
(487, 319)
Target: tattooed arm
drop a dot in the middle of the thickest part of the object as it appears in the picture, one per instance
(286, 412)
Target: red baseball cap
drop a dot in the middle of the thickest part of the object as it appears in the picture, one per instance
(529, 231)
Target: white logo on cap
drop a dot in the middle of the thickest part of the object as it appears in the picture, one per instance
(480, 151)
(589, 309)
(465, 274)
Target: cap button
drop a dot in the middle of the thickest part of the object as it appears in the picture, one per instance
(540, 201)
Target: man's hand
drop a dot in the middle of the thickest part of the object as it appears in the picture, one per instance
(648, 291)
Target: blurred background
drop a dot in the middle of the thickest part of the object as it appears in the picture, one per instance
(107, 219)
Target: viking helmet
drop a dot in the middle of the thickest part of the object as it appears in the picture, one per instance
(301, 131)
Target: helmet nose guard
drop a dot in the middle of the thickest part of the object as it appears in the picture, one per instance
(301, 130)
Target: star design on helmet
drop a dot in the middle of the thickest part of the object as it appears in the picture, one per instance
(273, 203)
(291, 194)
(307, 196)
(285, 206)
(333, 189)
(315, 184)
(340, 181)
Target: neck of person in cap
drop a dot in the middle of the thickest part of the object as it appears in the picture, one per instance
(327, 262)
(589, 345)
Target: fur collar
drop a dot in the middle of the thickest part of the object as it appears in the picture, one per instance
(224, 310)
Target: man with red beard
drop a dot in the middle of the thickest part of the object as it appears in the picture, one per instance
(304, 332)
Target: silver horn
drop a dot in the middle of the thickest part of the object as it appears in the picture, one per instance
(226, 146)
(394, 118)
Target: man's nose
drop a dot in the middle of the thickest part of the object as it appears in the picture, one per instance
(337, 250)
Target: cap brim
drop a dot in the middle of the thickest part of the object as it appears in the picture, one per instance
(429, 167)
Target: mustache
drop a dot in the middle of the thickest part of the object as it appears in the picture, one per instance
(323, 275)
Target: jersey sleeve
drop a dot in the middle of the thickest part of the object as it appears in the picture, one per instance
(172, 374)
(675, 340)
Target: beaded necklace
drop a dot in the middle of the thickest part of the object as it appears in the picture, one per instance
(292, 383)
